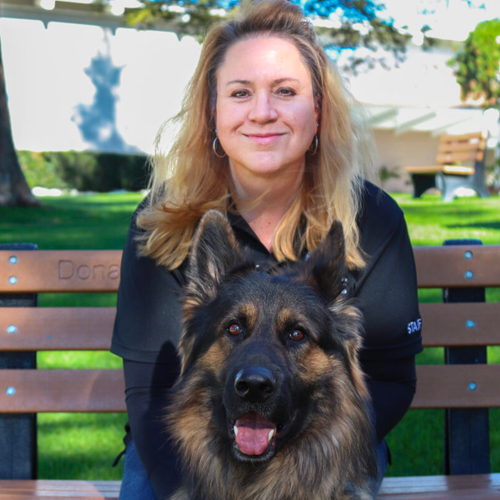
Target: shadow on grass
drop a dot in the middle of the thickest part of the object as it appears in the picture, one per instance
(77, 299)
(79, 465)
(440, 211)
(416, 444)
(80, 446)
(495, 439)
(493, 225)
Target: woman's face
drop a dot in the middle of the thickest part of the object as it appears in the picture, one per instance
(266, 113)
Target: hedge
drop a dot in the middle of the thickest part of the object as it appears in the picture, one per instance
(85, 171)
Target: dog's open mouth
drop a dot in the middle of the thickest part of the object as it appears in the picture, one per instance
(254, 434)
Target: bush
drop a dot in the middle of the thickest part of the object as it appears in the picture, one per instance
(39, 171)
(85, 171)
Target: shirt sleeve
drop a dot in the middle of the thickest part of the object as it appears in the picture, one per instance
(148, 321)
(386, 289)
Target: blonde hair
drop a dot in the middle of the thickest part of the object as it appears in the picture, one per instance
(191, 179)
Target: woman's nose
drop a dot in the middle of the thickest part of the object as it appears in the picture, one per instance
(263, 109)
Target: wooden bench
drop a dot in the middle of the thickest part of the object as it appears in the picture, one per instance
(450, 172)
(466, 386)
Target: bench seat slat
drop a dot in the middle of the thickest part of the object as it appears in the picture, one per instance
(463, 487)
(88, 328)
(56, 328)
(447, 169)
(485, 487)
(103, 390)
(59, 490)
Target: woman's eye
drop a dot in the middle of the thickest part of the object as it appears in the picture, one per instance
(240, 93)
(234, 329)
(286, 92)
(297, 335)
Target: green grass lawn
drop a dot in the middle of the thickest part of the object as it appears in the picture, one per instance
(84, 446)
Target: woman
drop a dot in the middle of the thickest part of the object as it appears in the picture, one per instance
(267, 137)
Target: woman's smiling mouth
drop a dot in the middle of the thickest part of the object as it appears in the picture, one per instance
(263, 139)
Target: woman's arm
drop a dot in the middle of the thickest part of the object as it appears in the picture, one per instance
(147, 386)
(392, 387)
(146, 335)
(387, 295)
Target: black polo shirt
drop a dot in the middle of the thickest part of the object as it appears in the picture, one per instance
(148, 327)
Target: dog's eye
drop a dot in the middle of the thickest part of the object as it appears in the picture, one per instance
(234, 329)
(297, 335)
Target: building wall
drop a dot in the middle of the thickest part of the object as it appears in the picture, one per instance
(397, 151)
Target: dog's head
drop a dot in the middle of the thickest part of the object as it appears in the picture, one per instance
(275, 352)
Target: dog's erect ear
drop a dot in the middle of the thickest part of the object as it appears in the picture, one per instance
(326, 267)
(214, 253)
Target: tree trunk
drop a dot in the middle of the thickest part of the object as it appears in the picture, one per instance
(14, 190)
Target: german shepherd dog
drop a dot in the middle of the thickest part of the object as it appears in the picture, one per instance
(271, 403)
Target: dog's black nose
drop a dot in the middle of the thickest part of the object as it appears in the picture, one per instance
(254, 384)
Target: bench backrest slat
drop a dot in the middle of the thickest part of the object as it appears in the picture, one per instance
(90, 328)
(56, 328)
(464, 137)
(462, 324)
(459, 157)
(445, 386)
(457, 386)
(458, 148)
(60, 271)
(458, 266)
(99, 270)
(450, 146)
(33, 391)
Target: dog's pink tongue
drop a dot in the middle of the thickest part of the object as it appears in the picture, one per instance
(253, 433)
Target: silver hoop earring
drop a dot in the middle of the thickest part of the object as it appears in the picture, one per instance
(314, 149)
(214, 148)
